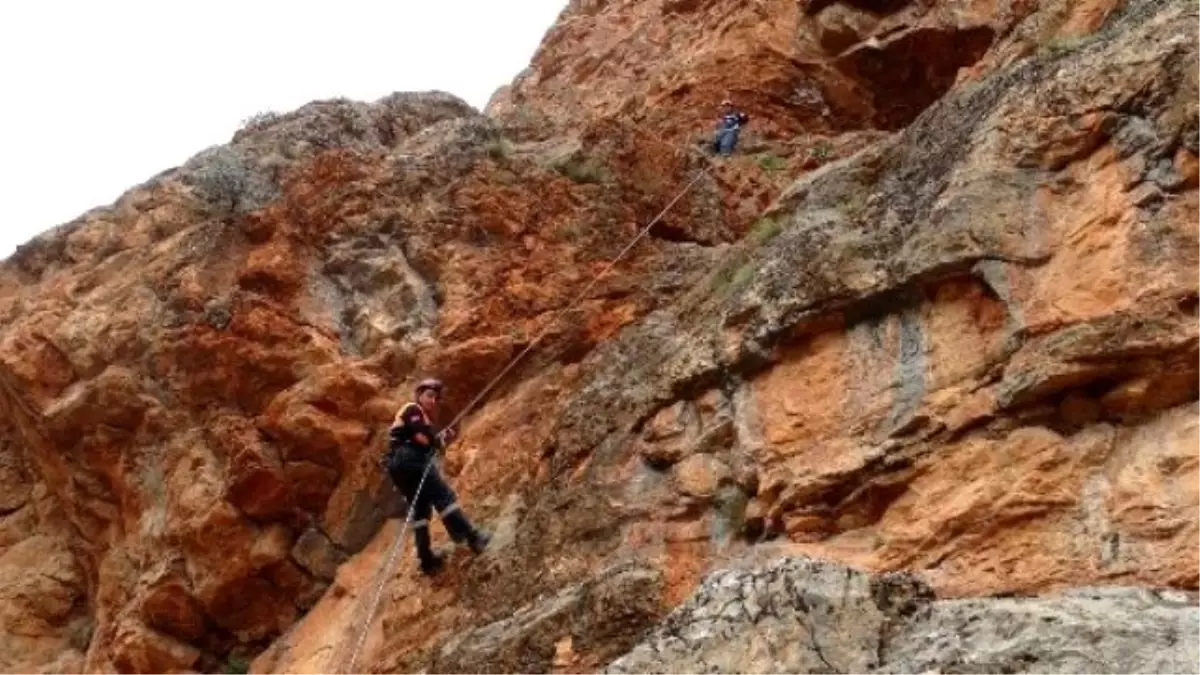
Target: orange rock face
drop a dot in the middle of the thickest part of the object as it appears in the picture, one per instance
(211, 426)
(816, 67)
(939, 315)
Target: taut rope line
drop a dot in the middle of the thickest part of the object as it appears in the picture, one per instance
(398, 545)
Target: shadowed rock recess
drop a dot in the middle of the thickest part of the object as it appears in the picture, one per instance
(908, 384)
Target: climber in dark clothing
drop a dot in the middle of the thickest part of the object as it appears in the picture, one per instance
(728, 127)
(413, 443)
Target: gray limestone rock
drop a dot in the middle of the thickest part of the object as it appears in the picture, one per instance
(806, 616)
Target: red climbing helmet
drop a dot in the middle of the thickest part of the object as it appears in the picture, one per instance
(431, 383)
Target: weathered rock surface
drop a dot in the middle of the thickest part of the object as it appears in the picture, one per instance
(937, 385)
(803, 616)
(961, 341)
(801, 66)
(200, 375)
(969, 350)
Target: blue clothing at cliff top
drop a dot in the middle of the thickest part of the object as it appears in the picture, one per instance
(728, 129)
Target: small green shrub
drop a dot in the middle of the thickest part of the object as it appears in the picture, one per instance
(585, 170)
(228, 182)
(1066, 44)
(770, 162)
(822, 151)
(765, 230)
(499, 149)
(734, 273)
(738, 268)
(743, 275)
(237, 665)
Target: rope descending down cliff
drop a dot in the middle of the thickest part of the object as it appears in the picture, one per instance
(385, 571)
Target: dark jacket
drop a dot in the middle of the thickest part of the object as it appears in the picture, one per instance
(403, 443)
(733, 120)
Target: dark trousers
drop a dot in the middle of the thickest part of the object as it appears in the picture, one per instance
(725, 141)
(435, 493)
(406, 468)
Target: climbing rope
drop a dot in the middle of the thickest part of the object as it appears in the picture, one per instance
(398, 545)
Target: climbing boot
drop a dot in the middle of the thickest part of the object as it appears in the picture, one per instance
(478, 541)
(431, 563)
(461, 530)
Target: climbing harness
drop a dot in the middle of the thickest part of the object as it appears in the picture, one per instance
(398, 545)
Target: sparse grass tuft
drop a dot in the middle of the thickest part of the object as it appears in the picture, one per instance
(260, 120)
(1066, 44)
(739, 267)
(770, 162)
(734, 273)
(585, 170)
(573, 231)
(765, 230)
(822, 152)
(743, 275)
(224, 179)
(853, 204)
(499, 149)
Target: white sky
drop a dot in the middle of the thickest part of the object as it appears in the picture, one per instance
(98, 96)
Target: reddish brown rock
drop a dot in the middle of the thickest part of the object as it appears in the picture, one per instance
(241, 403)
(827, 66)
(139, 649)
(700, 475)
(41, 593)
(916, 325)
(168, 606)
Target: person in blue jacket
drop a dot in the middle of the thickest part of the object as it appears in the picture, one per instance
(728, 127)
(413, 442)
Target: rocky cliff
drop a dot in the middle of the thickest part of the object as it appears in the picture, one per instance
(938, 318)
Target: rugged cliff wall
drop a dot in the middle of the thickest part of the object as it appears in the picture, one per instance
(197, 381)
(940, 317)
